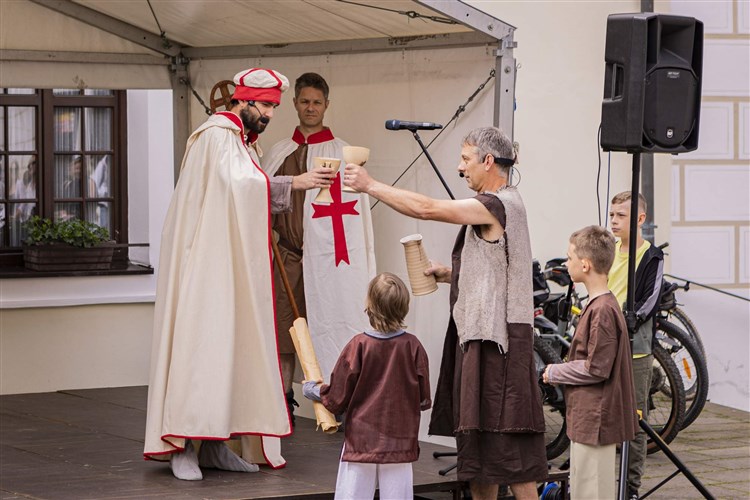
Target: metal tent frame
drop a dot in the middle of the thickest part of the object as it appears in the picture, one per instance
(486, 30)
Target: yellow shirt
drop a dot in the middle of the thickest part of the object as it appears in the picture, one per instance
(617, 281)
(618, 274)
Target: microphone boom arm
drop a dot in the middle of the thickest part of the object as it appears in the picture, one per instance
(434, 167)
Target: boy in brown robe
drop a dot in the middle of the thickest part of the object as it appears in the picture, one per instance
(599, 393)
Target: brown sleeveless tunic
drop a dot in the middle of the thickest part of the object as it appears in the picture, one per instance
(487, 398)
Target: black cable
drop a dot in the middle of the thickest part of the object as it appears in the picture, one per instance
(598, 174)
(458, 112)
(185, 81)
(518, 173)
(609, 183)
(411, 14)
(691, 282)
(154, 14)
(163, 34)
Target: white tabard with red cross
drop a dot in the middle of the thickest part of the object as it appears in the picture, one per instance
(338, 253)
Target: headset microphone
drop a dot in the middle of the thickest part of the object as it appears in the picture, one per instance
(263, 119)
(461, 175)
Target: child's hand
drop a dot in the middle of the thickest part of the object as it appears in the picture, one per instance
(545, 375)
(311, 389)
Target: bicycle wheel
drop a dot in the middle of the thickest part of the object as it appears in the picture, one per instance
(690, 362)
(555, 436)
(687, 324)
(666, 399)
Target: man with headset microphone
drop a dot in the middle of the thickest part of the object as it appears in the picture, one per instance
(487, 394)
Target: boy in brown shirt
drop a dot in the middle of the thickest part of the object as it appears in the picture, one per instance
(599, 392)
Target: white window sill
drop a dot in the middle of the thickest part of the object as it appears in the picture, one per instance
(77, 291)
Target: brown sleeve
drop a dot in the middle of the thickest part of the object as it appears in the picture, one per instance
(336, 395)
(423, 372)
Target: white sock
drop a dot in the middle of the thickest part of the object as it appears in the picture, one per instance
(184, 464)
(216, 455)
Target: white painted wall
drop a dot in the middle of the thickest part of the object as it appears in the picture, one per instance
(723, 324)
(710, 214)
(47, 349)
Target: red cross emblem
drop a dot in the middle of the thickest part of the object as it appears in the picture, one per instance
(336, 212)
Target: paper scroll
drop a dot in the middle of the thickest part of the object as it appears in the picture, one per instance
(309, 362)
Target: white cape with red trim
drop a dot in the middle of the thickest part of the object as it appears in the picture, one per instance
(338, 259)
(215, 368)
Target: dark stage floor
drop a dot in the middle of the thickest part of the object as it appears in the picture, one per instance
(87, 444)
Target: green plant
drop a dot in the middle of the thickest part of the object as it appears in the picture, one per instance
(75, 232)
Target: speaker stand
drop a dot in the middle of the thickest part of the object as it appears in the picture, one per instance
(438, 454)
(681, 467)
(630, 316)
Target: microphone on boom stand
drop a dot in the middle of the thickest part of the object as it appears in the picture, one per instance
(404, 125)
(413, 127)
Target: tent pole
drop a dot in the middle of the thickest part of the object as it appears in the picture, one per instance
(178, 74)
(505, 86)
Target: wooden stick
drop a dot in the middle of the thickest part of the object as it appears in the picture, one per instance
(305, 350)
(284, 277)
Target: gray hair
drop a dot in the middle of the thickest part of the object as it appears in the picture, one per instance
(491, 141)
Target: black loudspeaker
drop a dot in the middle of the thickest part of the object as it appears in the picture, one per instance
(652, 83)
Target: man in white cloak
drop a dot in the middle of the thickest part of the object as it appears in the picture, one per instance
(330, 277)
(215, 369)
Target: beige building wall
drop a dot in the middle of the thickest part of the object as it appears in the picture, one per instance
(710, 211)
(48, 349)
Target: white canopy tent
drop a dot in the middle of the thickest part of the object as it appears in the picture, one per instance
(165, 43)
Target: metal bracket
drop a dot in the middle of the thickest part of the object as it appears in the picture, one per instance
(178, 63)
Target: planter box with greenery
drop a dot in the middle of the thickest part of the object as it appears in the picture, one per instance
(72, 245)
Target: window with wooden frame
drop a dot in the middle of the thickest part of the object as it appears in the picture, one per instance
(62, 156)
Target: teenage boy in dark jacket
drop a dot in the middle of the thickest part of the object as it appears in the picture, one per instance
(649, 261)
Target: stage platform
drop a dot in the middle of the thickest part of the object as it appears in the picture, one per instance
(88, 444)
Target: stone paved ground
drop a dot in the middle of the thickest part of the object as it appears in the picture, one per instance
(716, 448)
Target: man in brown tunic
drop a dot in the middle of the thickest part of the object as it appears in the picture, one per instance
(487, 394)
(327, 249)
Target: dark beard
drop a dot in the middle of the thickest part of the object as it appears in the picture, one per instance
(251, 123)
